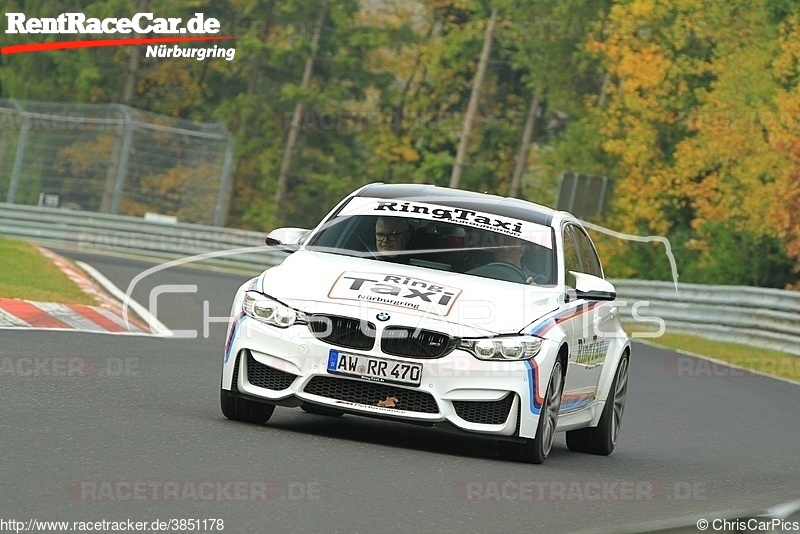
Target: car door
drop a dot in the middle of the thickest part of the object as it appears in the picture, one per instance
(587, 347)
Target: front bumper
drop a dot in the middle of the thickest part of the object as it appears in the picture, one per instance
(289, 367)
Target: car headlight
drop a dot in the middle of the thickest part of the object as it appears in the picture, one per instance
(508, 348)
(270, 311)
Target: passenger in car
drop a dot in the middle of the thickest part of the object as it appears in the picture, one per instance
(511, 250)
(392, 235)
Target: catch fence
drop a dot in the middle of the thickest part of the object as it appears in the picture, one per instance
(110, 158)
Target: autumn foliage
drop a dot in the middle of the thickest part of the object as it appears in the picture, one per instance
(702, 123)
(691, 107)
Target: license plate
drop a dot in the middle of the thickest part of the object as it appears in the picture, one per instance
(374, 369)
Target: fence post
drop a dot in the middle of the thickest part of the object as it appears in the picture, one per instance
(110, 182)
(122, 168)
(20, 155)
(601, 199)
(224, 186)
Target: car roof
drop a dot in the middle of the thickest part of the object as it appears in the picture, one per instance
(456, 198)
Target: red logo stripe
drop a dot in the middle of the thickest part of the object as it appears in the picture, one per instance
(90, 43)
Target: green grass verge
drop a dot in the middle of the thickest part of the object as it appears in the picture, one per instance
(767, 361)
(26, 274)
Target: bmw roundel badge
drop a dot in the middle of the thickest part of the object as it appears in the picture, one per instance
(382, 316)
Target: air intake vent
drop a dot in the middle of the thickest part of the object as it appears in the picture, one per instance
(267, 377)
(485, 413)
(371, 393)
(235, 380)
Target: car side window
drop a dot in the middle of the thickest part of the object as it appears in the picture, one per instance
(571, 259)
(590, 263)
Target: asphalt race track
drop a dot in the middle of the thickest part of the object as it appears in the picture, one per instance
(116, 428)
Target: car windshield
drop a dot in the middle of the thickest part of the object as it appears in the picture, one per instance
(457, 244)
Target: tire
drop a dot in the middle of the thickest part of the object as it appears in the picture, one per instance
(247, 411)
(316, 409)
(602, 439)
(536, 450)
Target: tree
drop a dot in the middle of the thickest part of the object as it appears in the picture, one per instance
(685, 122)
(472, 108)
(294, 127)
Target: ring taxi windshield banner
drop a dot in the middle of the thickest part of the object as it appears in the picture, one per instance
(528, 231)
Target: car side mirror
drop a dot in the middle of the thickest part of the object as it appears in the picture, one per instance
(591, 287)
(287, 239)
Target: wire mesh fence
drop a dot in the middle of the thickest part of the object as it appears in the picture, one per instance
(583, 195)
(110, 158)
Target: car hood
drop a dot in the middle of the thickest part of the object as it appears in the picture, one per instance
(316, 282)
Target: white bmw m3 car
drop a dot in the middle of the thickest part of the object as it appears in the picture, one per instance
(479, 314)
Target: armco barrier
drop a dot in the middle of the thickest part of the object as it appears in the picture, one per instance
(135, 236)
(761, 317)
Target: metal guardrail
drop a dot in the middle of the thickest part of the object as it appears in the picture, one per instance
(135, 236)
(761, 317)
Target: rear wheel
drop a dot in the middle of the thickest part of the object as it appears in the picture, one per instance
(602, 439)
(536, 450)
(321, 410)
(245, 410)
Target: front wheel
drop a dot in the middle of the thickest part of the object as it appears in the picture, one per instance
(602, 439)
(536, 450)
(247, 411)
